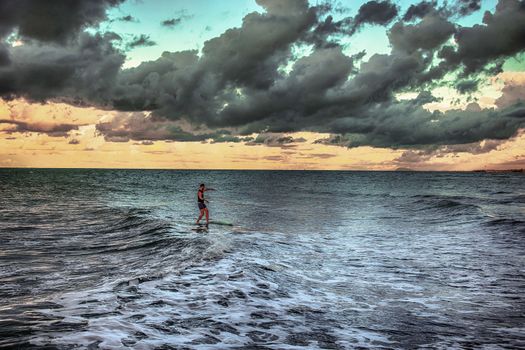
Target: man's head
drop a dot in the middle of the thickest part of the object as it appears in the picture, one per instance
(202, 186)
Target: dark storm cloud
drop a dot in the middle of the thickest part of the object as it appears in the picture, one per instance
(304, 92)
(84, 70)
(466, 7)
(430, 33)
(141, 40)
(318, 89)
(458, 8)
(55, 21)
(419, 127)
(183, 85)
(419, 10)
(164, 83)
(375, 12)
(328, 28)
(53, 130)
(501, 36)
(4, 55)
(57, 60)
(238, 81)
(467, 86)
(372, 12)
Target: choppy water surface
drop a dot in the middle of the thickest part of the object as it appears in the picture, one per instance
(330, 260)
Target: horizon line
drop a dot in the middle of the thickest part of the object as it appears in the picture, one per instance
(262, 169)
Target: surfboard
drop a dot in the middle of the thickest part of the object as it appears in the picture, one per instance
(200, 228)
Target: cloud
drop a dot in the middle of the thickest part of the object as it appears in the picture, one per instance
(457, 8)
(467, 86)
(57, 22)
(302, 93)
(318, 155)
(275, 158)
(419, 10)
(375, 12)
(425, 155)
(182, 15)
(74, 142)
(474, 148)
(236, 85)
(53, 130)
(274, 140)
(141, 40)
(430, 33)
(233, 88)
(172, 22)
(466, 7)
(183, 85)
(138, 126)
(500, 36)
(4, 55)
(128, 18)
(372, 12)
(513, 92)
(81, 72)
(415, 156)
(419, 127)
(135, 126)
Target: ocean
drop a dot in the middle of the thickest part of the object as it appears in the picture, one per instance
(314, 260)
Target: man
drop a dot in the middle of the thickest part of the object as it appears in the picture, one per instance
(201, 202)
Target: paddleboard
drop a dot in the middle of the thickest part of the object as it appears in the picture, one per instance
(222, 223)
(200, 228)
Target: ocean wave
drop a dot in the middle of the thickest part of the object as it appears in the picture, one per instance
(446, 204)
(513, 199)
(513, 224)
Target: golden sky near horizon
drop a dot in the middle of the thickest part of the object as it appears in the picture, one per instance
(84, 148)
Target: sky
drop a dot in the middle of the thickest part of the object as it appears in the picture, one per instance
(263, 84)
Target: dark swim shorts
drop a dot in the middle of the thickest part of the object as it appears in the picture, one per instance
(202, 206)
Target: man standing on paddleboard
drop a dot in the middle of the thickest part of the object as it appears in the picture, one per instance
(202, 203)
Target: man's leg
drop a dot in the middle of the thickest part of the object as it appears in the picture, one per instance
(200, 216)
(207, 216)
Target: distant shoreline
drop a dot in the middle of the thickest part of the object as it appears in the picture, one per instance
(499, 171)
